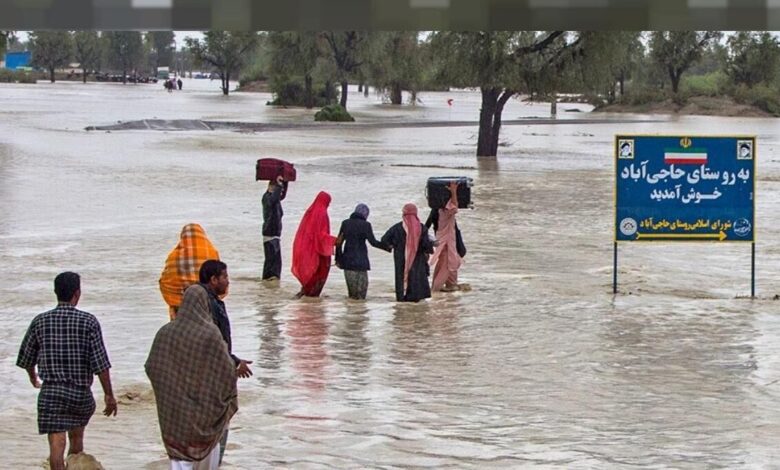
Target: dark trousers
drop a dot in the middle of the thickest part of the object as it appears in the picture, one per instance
(272, 267)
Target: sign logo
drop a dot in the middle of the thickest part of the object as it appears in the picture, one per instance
(742, 227)
(628, 226)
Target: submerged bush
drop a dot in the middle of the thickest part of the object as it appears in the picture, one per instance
(333, 112)
(292, 93)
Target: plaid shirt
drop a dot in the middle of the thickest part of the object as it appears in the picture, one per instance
(66, 344)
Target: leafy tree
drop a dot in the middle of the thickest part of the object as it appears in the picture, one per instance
(295, 53)
(346, 50)
(713, 59)
(753, 58)
(395, 63)
(51, 50)
(607, 60)
(125, 50)
(502, 64)
(87, 51)
(6, 38)
(677, 51)
(183, 61)
(224, 50)
(160, 44)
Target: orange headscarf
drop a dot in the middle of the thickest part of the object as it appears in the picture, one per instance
(183, 264)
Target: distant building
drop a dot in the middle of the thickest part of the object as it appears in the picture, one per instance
(15, 60)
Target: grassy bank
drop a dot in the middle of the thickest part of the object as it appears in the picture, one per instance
(710, 95)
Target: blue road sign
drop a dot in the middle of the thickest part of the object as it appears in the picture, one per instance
(684, 188)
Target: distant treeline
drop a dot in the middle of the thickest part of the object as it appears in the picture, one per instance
(313, 68)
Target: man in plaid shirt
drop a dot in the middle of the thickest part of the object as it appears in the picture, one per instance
(66, 344)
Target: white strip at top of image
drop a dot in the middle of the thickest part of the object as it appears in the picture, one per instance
(151, 3)
(441, 4)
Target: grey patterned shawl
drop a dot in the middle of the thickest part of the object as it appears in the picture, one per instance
(194, 380)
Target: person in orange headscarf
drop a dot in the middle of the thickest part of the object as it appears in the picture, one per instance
(313, 247)
(183, 265)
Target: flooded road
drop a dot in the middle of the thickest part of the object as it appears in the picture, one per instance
(538, 366)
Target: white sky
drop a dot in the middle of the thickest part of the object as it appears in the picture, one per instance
(178, 35)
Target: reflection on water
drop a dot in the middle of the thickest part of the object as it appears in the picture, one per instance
(539, 366)
(308, 331)
(271, 343)
(349, 342)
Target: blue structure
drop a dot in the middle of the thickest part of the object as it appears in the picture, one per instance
(685, 188)
(680, 188)
(14, 60)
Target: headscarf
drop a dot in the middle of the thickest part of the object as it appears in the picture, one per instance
(313, 239)
(362, 210)
(194, 379)
(412, 228)
(183, 264)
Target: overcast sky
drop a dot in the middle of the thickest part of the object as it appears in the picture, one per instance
(179, 36)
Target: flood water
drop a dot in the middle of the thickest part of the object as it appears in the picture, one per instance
(538, 366)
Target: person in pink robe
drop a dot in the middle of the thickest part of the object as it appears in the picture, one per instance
(445, 259)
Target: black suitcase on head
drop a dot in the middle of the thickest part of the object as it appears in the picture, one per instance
(438, 192)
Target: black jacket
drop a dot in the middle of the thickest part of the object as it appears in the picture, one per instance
(219, 315)
(272, 211)
(418, 287)
(351, 253)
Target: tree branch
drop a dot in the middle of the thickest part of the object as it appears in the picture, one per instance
(539, 46)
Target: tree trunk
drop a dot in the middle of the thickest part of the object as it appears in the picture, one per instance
(328, 92)
(493, 101)
(365, 91)
(344, 87)
(675, 78)
(308, 91)
(486, 114)
(622, 82)
(84, 75)
(225, 83)
(395, 94)
(124, 77)
(360, 87)
(51, 74)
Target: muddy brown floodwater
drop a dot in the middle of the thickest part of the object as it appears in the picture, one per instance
(538, 366)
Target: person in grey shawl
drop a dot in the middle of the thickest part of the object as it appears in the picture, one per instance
(194, 382)
(351, 252)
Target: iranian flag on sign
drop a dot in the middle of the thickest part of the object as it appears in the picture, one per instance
(690, 156)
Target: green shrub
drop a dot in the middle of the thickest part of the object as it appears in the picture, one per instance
(713, 84)
(761, 96)
(17, 76)
(643, 95)
(333, 112)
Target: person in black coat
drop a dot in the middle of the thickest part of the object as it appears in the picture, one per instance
(351, 251)
(272, 228)
(411, 246)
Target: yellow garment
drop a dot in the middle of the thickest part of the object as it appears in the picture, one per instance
(183, 264)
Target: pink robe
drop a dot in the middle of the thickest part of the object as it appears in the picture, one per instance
(445, 257)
